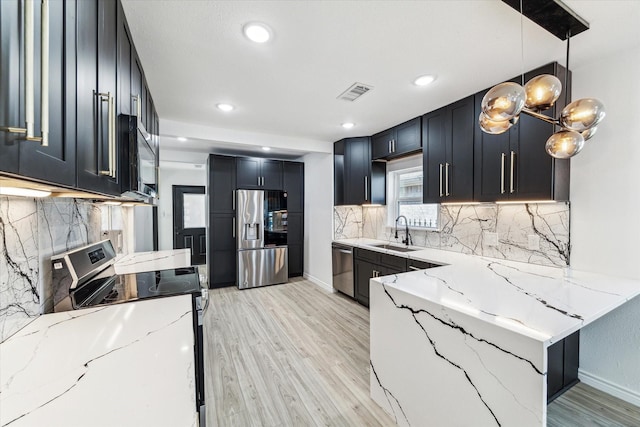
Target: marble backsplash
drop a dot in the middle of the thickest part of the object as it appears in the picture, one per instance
(533, 233)
(31, 231)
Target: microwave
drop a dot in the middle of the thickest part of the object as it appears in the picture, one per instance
(139, 161)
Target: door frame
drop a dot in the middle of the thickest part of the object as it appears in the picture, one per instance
(178, 220)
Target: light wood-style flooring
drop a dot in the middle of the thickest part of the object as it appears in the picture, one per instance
(297, 355)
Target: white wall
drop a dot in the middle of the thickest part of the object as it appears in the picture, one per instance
(171, 175)
(318, 217)
(605, 229)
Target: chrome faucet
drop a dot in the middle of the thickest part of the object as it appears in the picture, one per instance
(407, 237)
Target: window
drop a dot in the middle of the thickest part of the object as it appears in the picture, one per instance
(405, 198)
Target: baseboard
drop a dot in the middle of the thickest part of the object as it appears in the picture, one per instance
(608, 387)
(315, 280)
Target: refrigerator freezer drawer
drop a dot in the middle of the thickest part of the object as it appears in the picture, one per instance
(261, 267)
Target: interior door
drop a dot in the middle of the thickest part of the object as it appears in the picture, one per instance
(189, 221)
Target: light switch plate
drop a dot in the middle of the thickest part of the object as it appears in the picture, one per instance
(491, 239)
(533, 242)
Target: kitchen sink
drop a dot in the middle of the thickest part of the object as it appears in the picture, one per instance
(395, 248)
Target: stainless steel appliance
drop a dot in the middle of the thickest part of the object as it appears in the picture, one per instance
(85, 277)
(139, 174)
(342, 267)
(261, 233)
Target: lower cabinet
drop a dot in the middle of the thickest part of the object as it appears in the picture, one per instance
(295, 242)
(563, 359)
(369, 264)
(222, 251)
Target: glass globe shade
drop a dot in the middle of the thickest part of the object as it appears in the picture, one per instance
(503, 101)
(542, 91)
(564, 144)
(582, 114)
(495, 127)
(587, 134)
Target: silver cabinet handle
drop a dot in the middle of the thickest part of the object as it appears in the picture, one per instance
(111, 138)
(29, 90)
(258, 181)
(511, 176)
(366, 188)
(446, 179)
(138, 109)
(233, 228)
(502, 157)
(390, 149)
(411, 267)
(234, 200)
(440, 185)
(393, 145)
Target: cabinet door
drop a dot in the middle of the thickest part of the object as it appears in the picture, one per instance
(357, 171)
(434, 155)
(124, 64)
(295, 242)
(381, 145)
(271, 172)
(459, 166)
(222, 251)
(55, 163)
(362, 272)
(222, 184)
(248, 173)
(408, 138)
(293, 184)
(96, 74)
(11, 83)
(491, 156)
(338, 173)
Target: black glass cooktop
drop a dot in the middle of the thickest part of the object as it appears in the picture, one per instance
(109, 288)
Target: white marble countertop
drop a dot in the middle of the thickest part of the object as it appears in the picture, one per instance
(543, 303)
(122, 365)
(154, 260)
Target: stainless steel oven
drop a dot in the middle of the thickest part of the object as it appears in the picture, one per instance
(139, 172)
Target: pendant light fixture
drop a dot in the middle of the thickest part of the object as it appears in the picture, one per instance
(503, 104)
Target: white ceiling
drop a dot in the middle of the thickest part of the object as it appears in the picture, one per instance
(195, 56)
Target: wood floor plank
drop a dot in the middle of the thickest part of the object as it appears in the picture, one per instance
(297, 355)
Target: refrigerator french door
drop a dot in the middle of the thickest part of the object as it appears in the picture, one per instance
(261, 233)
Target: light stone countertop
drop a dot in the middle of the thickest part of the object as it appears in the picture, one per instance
(151, 261)
(121, 365)
(543, 303)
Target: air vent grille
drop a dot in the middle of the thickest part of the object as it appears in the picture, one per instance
(355, 91)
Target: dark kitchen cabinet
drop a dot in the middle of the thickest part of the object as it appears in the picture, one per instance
(563, 359)
(221, 177)
(56, 161)
(295, 243)
(259, 174)
(357, 180)
(96, 96)
(447, 136)
(293, 184)
(398, 141)
(514, 165)
(368, 264)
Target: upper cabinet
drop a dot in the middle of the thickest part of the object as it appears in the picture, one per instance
(259, 174)
(398, 141)
(447, 136)
(97, 144)
(514, 165)
(54, 158)
(357, 179)
(293, 184)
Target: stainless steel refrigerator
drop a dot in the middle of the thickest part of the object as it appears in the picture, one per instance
(261, 233)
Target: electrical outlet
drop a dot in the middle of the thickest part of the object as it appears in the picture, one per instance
(491, 239)
(533, 242)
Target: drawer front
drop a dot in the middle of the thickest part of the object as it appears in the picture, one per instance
(413, 265)
(371, 256)
(395, 262)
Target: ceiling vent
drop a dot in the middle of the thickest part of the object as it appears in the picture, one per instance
(355, 91)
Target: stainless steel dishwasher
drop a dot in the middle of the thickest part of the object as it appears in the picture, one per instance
(342, 266)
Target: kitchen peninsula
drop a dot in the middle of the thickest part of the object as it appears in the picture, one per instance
(466, 343)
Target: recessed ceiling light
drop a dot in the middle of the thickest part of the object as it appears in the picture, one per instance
(424, 80)
(348, 125)
(266, 148)
(23, 192)
(182, 139)
(225, 107)
(257, 32)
